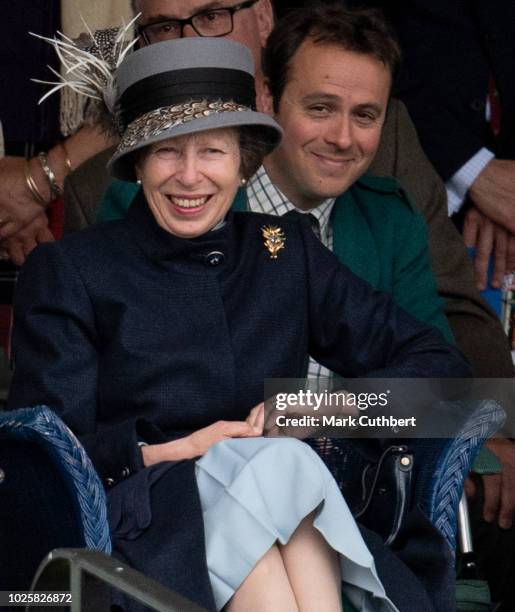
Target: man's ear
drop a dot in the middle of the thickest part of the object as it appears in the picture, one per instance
(265, 19)
(264, 99)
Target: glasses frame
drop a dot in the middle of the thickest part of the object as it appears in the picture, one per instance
(182, 23)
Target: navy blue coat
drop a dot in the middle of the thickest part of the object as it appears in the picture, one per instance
(130, 333)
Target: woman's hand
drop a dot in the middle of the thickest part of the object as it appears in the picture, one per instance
(199, 442)
(256, 418)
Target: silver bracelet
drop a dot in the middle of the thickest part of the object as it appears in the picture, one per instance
(55, 190)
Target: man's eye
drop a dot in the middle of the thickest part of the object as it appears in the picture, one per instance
(366, 116)
(164, 28)
(319, 109)
(209, 17)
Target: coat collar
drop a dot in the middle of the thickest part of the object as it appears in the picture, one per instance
(159, 245)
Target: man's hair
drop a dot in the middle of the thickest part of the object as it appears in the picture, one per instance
(359, 30)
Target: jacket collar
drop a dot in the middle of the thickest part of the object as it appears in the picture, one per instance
(159, 245)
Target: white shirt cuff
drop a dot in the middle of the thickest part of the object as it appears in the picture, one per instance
(460, 182)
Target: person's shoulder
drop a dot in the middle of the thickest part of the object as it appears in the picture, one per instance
(254, 220)
(91, 246)
(94, 166)
(383, 193)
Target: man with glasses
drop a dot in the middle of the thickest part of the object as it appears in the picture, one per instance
(207, 22)
(247, 22)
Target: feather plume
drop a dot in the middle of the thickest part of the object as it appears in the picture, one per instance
(88, 65)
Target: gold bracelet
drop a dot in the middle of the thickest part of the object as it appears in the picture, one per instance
(55, 190)
(33, 188)
(66, 156)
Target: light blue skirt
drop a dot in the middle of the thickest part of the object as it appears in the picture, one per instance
(256, 491)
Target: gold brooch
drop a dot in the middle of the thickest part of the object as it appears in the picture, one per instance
(274, 239)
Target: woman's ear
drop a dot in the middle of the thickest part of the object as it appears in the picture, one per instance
(264, 98)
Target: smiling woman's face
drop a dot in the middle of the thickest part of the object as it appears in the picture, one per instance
(190, 181)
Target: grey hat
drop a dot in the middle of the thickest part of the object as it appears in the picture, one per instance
(184, 86)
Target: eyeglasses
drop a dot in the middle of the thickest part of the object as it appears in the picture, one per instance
(209, 22)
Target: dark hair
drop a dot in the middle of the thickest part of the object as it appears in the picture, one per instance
(253, 149)
(359, 30)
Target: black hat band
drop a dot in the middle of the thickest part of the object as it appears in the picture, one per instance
(178, 86)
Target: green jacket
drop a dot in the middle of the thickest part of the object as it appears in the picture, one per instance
(377, 233)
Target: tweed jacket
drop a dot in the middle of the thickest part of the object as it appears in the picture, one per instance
(475, 326)
(130, 333)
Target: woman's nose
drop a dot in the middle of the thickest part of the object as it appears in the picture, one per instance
(188, 172)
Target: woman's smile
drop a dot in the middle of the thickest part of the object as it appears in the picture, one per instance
(188, 205)
(190, 181)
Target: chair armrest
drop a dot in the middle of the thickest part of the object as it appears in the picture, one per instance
(91, 575)
(454, 462)
(42, 426)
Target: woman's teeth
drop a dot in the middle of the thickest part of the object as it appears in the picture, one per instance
(188, 202)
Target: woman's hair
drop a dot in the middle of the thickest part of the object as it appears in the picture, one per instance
(253, 150)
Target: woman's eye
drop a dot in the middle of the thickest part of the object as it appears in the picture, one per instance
(213, 151)
(165, 152)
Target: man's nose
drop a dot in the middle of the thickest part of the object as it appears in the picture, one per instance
(339, 132)
(188, 31)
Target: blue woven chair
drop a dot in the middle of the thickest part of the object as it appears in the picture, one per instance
(440, 465)
(68, 493)
(51, 496)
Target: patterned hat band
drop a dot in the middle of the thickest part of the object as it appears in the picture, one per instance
(163, 119)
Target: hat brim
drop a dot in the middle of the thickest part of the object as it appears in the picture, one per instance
(121, 165)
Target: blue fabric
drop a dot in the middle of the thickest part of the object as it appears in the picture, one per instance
(249, 503)
(492, 296)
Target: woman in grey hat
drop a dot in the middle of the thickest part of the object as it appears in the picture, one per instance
(152, 336)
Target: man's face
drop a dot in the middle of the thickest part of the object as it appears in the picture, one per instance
(251, 25)
(332, 111)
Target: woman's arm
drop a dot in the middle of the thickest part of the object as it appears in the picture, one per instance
(357, 331)
(19, 204)
(56, 359)
(199, 442)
